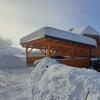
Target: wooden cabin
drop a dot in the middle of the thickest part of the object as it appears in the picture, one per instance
(76, 49)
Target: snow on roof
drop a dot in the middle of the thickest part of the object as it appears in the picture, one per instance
(86, 30)
(49, 31)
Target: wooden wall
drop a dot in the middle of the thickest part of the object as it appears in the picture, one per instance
(81, 63)
(95, 52)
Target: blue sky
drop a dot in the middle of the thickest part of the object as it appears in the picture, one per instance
(20, 17)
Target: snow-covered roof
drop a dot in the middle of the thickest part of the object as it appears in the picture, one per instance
(86, 30)
(49, 31)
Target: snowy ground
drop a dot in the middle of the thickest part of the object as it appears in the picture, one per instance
(15, 81)
(49, 81)
(15, 86)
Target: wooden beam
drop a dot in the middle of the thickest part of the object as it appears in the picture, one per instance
(48, 51)
(43, 51)
(72, 55)
(52, 51)
(30, 50)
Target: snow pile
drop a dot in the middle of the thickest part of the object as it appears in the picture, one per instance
(52, 81)
(40, 69)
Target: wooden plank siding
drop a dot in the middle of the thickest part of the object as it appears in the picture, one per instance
(81, 63)
(82, 52)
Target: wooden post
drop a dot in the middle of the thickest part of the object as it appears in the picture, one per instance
(45, 51)
(48, 51)
(60, 51)
(72, 53)
(90, 56)
(27, 55)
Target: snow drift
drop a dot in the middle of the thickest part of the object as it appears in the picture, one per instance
(61, 82)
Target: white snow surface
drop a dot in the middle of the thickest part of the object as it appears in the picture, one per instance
(61, 82)
(49, 31)
(15, 86)
(86, 30)
(49, 80)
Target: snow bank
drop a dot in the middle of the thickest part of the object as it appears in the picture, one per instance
(11, 61)
(61, 82)
(9, 58)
